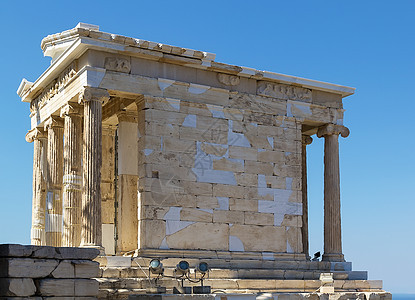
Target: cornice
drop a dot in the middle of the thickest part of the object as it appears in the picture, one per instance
(76, 41)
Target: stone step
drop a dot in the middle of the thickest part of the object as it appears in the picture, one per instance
(234, 295)
(220, 263)
(136, 272)
(244, 285)
(118, 293)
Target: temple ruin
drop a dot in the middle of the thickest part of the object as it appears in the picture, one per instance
(146, 150)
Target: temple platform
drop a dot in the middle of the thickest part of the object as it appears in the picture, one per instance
(124, 276)
(268, 296)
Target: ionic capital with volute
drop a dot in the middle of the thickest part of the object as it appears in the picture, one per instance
(333, 129)
(53, 122)
(93, 94)
(71, 109)
(35, 134)
(306, 140)
(127, 116)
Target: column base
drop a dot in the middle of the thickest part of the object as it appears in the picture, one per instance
(336, 257)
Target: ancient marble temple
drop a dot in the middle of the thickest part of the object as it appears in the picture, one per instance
(156, 151)
(142, 145)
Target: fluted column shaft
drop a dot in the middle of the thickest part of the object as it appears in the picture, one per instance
(306, 140)
(53, 226)
(91, 231)
(332, 217)
(39, 140)
(72, 178)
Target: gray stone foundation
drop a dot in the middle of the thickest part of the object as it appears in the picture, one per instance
(39, 272)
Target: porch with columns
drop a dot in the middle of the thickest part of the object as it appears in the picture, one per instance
(73, 181)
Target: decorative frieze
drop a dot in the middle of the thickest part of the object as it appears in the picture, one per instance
(227, 79)
(54, 87)
(117, 64)
(283, 91)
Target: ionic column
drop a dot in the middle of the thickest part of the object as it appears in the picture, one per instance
(91, 232)
(306, 140)
(54, 126)
(332, 219)
(72, 179)
(38, 137)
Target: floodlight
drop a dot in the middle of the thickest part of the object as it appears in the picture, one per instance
(156, 267)
(202, 267)
(182, 267)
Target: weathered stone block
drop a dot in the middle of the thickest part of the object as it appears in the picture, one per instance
(294, 239)
(258, 238)
(16, 250)
(271, 156)
(229, 217)
(243, 153)
(20, 287)
(243, 205)
(26, 267)
(67, 287)
(197, 188)
(207, 202)
(227, 165)
(254, 167)
(152, 233)
(208, 236)
(255, 218)
(214, 149)
(292, 220)
(86, 268)
(224, 190)
(245, 179)
(196, 215)
(208, 123)
(65, 269)
(177, 145)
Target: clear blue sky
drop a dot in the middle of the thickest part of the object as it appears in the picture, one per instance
(364, 44)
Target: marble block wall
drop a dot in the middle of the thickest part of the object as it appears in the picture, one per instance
(220, 177)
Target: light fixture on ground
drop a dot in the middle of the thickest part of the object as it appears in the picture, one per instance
(202, 268)
(182, 268)
(181, 272)
(156, 267)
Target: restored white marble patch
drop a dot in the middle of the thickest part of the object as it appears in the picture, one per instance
(271, 141)
(174, 103)
(197, 88)
(148, 151)
(164, 244)
(235, 244)
(173, 214)
(175, 226)
(164, 83)
(288, 183)
(237, 139)
(215, 176)
(268, 256)
(223, 203)
(217, 111)
(190, 121)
